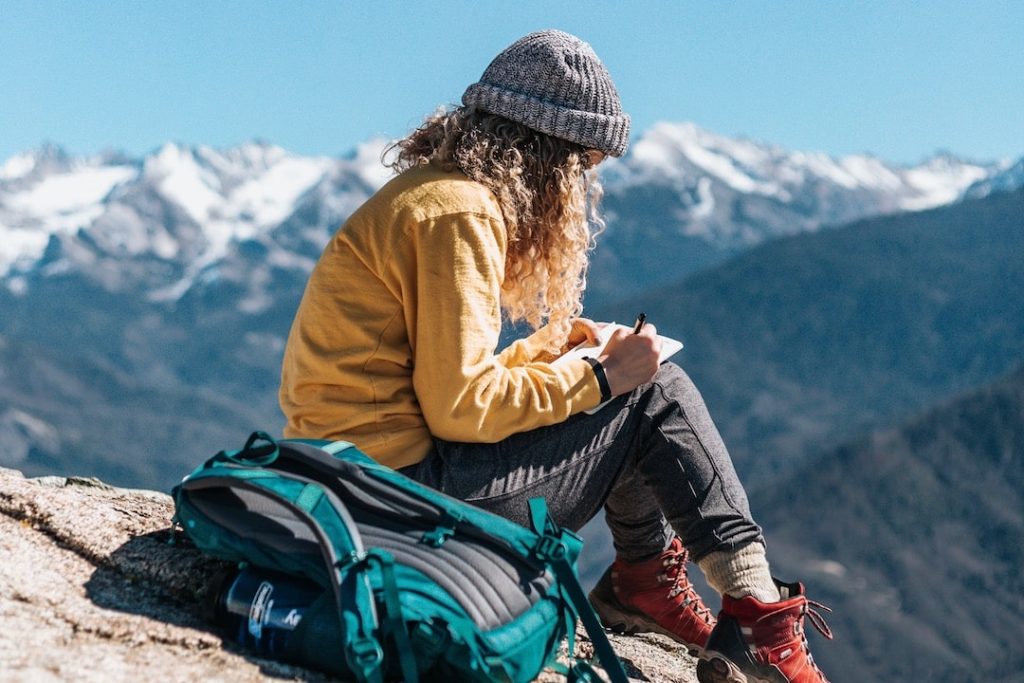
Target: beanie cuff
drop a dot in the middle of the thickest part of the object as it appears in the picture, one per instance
(608, 133)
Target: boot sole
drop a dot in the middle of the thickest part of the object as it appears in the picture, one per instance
(714, 667)
(618, 618)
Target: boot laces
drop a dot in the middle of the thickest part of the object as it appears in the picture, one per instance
(675, 566)
(818, 621)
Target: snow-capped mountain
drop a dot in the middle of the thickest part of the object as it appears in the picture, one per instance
(716, 178)
(685, 198)
(182, 216)
(178, 211)
(145, 298)
(1009, 179)
(685, 152)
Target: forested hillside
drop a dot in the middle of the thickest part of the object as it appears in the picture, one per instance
(807, 341)
(915, 536)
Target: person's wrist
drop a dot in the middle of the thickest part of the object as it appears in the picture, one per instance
(602, 378)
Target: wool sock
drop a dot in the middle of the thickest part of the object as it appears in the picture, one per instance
(740, 572)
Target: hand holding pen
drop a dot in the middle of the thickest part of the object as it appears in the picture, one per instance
(639, 325)
(631, 358)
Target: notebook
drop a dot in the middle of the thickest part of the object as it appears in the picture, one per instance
(669, 347)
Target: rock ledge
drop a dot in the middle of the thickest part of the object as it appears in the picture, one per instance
(91, 591)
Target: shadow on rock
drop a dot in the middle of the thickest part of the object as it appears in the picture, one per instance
(172, 582)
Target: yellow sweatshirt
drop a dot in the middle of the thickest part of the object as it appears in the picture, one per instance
(395, 338)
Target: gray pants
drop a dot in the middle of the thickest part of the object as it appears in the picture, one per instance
(653, 458)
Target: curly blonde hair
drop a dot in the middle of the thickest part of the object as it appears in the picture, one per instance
(548, 197)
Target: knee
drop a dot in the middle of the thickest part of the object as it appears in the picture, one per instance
(674, 380)
(673, 385)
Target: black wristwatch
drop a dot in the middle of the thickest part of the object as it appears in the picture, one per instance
(602, 379)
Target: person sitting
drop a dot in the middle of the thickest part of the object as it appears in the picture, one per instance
(394, 347)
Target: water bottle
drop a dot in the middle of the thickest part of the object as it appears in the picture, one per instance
(260, 609)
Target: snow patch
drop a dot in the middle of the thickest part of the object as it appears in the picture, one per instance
(722, 167)
(705, 200)
(172, 292)
(17, 285)
(940, 183)
(18, 166)
(179, 178)
(270, 197)
(870, 172)
(66, 194)
(57, 267)
(19, 248)
(824, 166)
(367, 163)
(666, 147)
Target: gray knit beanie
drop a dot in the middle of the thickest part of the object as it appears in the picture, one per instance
(553, 82)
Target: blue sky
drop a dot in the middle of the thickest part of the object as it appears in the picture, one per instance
(897, 79)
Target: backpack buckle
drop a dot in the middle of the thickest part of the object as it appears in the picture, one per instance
(550, 549)
(352, 558)
(438, 536)
(364, 654)
(583, 672)
(444, 530)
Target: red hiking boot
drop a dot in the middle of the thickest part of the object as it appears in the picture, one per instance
(757, 642)
(654, 595)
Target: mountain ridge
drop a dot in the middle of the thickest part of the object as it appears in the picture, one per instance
(181, 208)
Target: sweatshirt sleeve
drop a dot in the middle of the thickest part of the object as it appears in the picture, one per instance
(466, 392)
(527, 350)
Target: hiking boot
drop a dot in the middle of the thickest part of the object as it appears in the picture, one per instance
(654, 595)
(757, 642)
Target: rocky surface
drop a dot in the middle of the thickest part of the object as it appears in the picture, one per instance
(90, 590)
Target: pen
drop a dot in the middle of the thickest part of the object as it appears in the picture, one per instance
(640, 320)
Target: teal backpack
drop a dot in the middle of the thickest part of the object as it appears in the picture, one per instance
(416, 585)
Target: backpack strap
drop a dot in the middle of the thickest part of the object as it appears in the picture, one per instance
(393, 624)
(320, 509)
(558, 548)
(250, 455)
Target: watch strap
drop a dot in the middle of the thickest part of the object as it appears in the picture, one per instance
(602, 378)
